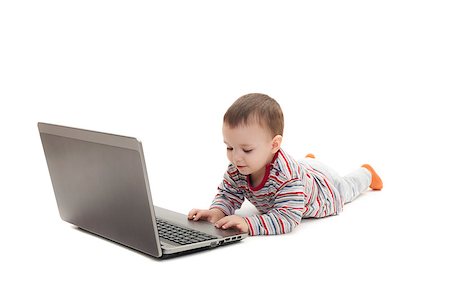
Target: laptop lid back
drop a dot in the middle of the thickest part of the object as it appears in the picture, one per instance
(101, 185)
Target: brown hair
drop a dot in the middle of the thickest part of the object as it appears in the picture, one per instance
(256, 106)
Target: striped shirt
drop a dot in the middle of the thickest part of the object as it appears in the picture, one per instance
(291, 190)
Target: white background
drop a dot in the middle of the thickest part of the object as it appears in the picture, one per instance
(359, 82)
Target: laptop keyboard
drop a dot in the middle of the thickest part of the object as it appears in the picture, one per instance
(179, 234)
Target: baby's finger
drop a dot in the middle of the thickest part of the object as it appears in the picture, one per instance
(192, 213)
(221, 222)
(229, 224)
(200, 214)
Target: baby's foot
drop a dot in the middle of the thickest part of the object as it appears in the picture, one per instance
(310, 155)
(376, 183)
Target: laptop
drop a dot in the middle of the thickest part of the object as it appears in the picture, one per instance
(101, 185)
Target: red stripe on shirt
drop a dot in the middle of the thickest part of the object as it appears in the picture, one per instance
(287, 163)
(264, 224)
(252, 231)
(282, 226)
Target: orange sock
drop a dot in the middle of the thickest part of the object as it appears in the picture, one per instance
(376, 183)
(310, 155)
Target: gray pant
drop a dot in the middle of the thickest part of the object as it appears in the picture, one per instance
(349, 186)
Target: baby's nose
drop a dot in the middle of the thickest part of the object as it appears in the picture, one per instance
(237, 156)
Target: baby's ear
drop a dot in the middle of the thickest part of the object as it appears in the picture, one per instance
(276, 143)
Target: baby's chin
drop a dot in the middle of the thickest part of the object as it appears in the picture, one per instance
(243, 170)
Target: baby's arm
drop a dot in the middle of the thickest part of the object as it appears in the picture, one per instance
(286, 213)
(228, 199)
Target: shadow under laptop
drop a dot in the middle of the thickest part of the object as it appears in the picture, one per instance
(164, 257)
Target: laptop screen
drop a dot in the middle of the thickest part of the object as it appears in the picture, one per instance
(100, 185)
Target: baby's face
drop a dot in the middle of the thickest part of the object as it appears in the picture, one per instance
(249, 147)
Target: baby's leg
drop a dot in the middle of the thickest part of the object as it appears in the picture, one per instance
(349, 186)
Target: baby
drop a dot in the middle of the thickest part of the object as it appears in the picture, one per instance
(282, 189)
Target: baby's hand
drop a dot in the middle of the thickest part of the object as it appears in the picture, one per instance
(233, 221)
(211, 215)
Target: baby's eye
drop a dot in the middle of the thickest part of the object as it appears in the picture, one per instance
(248, 150)
(229, 148)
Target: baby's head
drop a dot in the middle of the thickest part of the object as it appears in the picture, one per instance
(258, 108)
(252, 130)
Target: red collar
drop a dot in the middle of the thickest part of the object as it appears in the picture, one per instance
(266, 175)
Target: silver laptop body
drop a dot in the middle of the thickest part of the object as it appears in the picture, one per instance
(101, 185)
